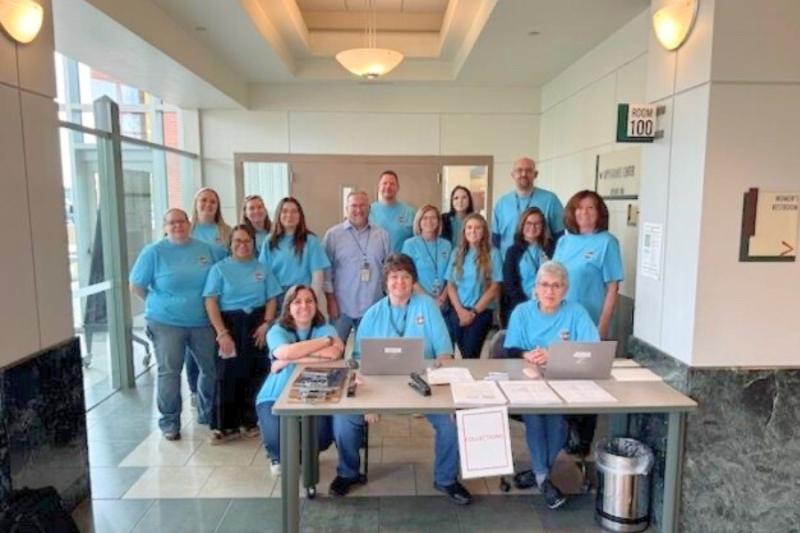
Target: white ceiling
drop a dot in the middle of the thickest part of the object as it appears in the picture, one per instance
(459, 42)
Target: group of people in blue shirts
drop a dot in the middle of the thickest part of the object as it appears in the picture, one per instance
(243, 304)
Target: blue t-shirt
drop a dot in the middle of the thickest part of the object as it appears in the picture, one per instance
(430, 258)
(529, 265)
(457, 225)
(261, 236)
(278, 336)
(174, 276)
(530, 328)
(396, 219)
(290, 268)
(210, 233)
(241, 285)
(420, 318)
(592, 261)
(470, 285)
(510, 207)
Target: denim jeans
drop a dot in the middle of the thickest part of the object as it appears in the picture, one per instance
(344, 324)
(546, 435)
(470, 338)
(192, 371)
(271, 431)
(348, 431)
(171, 344)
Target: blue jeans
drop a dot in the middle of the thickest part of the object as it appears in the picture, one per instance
(192, 372)
(344, 324)
(546, 435)
(271, 431)
(171, 344)
(470, 338)
(348, 431)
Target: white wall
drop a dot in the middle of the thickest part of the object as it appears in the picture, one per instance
(377, 119)
(579, 113)
(35, 305)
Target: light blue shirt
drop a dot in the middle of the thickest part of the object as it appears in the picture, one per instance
(290, 268)
(396, 219)
(261, 236)
(348, 250)
(430, 258)
(420, 318)
(241, 285)
(470, 285)
(529, 328)
(210, 233)
(592, 261)
(174, 276)
(510, 207)
(457, 225)
(278, 336)
(529, 265)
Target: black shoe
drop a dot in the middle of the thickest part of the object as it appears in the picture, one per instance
(172, 435)
(552, 496)
(456, 492)
(340, 486)
(579, 449)
(524, 480)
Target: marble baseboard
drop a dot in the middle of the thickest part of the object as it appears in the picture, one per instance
(43, 424)
(741, 468)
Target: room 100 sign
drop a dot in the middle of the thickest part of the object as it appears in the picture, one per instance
(636, 123)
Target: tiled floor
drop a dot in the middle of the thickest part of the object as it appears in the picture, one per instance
(141, 482)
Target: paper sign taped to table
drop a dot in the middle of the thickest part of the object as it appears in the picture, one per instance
(529, 392)
(484, 442)
(581, 391)
(476, 394)
(634, 374)
(449, 374)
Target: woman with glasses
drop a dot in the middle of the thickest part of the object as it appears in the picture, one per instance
(474, 275)
(240, 300)
(461, 205)
(430, 254)
(533, 327)
(169, 275)
(592, 257)
(532, 247)
(301, 336)
(292, 251)
(254, 214)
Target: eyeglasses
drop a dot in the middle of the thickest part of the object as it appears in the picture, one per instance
(533, 224)
(176, 222)
(550, 286)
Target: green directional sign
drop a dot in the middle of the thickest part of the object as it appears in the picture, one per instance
(636, 123)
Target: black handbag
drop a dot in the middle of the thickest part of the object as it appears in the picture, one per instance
(36, 511)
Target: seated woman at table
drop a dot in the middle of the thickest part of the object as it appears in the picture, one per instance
(405, 314)
(533, 326)
(300, 336)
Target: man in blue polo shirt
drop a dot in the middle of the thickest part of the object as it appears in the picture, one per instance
(510, 206)
(389, 213)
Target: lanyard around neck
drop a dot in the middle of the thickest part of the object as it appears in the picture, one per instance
(401, 329)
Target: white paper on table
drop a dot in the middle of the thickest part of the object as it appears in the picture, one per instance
(477, 393)
(529, 392)
(449, 374)
(621, 362)
(484, 442)
(581, 391)
(634, 374)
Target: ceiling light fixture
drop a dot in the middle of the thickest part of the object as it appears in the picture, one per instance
(370, 62)
(22, 19)
(673, 22)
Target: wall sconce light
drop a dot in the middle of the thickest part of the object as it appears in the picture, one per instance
(22, 19)
(673, 22)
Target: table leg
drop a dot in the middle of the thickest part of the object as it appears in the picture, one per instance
(290, 473)
(676, 434)
(309, 453)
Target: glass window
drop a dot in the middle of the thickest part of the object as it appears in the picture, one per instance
(473, 177)
(269, 180)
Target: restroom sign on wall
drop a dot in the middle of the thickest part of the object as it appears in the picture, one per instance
(636, 123)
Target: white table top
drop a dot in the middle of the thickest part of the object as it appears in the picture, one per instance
(391, 394)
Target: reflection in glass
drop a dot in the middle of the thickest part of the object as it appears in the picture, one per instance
(268, 180)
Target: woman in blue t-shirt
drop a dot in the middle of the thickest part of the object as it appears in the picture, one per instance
(430, 254)
(254, 214)
(532, 247)
(301, 336)
(461, 205)
(474, 275)
(240, 300)
(292, 251)
(533, 327)
(593, 260)
(169, 276)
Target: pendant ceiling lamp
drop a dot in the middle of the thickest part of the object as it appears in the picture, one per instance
(370, 62)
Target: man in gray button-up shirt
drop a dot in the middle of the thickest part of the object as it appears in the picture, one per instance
(356, 250)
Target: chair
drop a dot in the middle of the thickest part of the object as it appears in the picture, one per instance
(496, 350)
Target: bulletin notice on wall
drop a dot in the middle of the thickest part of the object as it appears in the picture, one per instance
(769, 226)
(650, 258)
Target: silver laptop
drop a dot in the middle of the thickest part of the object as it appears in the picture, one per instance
(580, 360)
(392, 356)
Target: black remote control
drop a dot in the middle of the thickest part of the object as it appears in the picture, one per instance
(419, 384)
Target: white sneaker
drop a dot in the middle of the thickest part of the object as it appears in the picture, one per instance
(275, 469)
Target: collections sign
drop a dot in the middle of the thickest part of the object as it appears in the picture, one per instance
(636, 123)
(618, 173)
(769, 226)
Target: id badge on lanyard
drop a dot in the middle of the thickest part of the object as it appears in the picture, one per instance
(365, 273)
